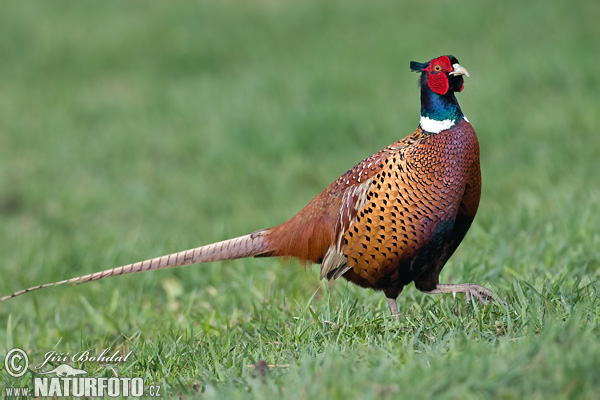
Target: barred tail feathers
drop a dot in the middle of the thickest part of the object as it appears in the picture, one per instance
(250, 245)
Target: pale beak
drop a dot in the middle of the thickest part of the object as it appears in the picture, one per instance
(459, 70)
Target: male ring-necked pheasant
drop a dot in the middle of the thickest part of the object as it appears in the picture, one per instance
(393, 219)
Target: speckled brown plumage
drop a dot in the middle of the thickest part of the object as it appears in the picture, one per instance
(393, 219)
(388, 208)
(406, 231)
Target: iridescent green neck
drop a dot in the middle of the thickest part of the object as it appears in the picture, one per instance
(438, 112)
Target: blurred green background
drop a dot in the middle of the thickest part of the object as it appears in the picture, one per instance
(133, 129)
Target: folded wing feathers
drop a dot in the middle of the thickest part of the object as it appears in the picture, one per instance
(353, 201)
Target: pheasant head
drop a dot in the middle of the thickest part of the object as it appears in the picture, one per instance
(440, 79)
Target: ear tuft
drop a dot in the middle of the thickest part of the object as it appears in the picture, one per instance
(417, 66)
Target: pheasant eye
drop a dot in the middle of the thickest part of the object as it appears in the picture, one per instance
(437, 68)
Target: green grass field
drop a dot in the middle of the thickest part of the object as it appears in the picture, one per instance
(129, 130)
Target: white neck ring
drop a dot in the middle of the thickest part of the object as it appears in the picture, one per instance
(435, 126)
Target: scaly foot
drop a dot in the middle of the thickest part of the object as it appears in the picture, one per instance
(469, 289)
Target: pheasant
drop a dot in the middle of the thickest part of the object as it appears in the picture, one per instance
(393, 219)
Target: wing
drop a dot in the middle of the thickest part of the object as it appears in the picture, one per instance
(411, 207)
(316, 233)
(360, 185)
(403, 214)
(379, 213)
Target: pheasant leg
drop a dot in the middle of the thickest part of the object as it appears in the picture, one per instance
(393, 307)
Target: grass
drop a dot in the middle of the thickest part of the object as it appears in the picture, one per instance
(129, 130)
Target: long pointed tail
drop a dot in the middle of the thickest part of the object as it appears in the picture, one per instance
(250, 245)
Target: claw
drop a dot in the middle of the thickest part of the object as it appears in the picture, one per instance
(469, 289)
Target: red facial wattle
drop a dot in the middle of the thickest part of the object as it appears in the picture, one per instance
(438, 82)
(438, 79)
